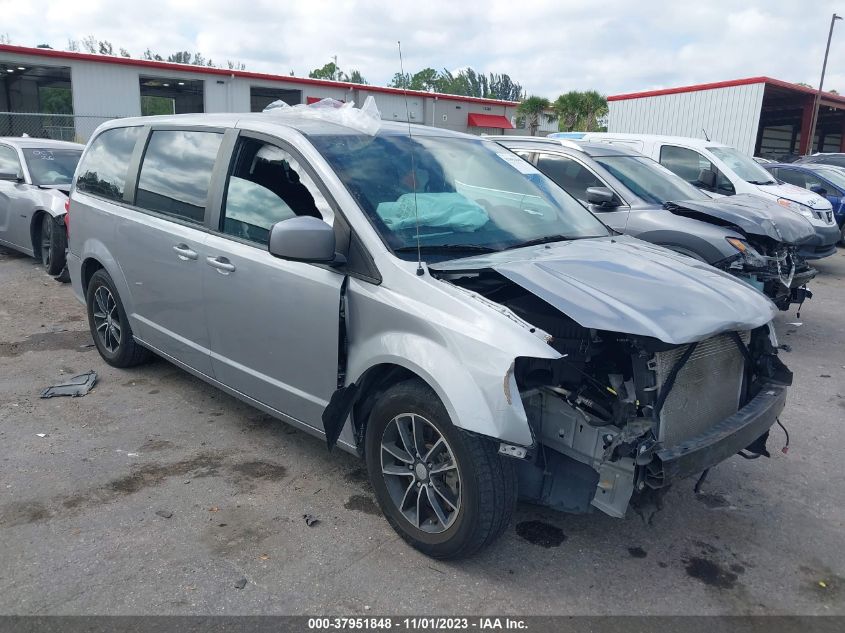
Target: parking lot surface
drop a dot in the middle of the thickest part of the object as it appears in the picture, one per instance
(156, 493)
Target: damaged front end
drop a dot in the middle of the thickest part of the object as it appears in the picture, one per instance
(775, 269)
(622, 413)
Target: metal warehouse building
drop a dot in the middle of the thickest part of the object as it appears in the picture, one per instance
(66, 95)
(759, 115)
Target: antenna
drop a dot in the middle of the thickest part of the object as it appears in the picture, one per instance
(706, 137)
(420, 270)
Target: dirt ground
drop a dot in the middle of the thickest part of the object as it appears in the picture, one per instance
(156, 493)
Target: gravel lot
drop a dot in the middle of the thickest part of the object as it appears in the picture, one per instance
(157, 494)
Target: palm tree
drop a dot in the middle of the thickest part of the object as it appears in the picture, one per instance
(569, 109)
(532, 110)
(595, 107)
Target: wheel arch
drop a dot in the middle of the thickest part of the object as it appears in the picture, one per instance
(35, 230)
(96, 256)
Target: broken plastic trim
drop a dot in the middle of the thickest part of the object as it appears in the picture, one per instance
(366, 119)
(343, 399)
(75, 387)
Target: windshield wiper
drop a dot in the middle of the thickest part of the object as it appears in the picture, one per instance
(543, 240)
(762, 182)
(446, 248)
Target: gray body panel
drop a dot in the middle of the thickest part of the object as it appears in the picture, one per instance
(267, 331)
(624, 285)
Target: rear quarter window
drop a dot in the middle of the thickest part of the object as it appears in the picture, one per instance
(106, 163)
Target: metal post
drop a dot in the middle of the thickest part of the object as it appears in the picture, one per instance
(821, 83)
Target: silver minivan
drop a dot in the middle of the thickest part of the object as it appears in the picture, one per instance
(426, 300)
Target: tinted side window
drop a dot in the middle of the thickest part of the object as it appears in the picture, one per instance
(793, 177)
(267, 185)
(688, 164)
(570, 175)
(176, 173)
(103, 170)
(9, 159)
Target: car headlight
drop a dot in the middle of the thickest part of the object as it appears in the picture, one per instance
(797, 207)
(749, 254)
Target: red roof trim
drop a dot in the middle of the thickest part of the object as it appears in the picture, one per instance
(489, 120)
(727, 84)
(206, 70)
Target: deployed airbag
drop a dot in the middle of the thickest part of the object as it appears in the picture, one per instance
(447, 210)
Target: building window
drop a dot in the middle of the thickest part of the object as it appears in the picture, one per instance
(43, 93)
(260, 97)
(162, 95)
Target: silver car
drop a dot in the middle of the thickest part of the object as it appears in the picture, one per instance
(426, 300)
(35, 177)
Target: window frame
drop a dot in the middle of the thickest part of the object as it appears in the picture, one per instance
(137, 160)
(625, 203)
(17, 154)
(345, 235)
(128, 182)
(719, 172)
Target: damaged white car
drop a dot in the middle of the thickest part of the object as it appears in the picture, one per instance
(426, 300)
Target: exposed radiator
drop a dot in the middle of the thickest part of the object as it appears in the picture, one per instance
(706, 391)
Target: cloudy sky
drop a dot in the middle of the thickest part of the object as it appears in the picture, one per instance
(549, 46)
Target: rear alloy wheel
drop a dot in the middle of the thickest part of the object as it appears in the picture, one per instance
(447, 492)
(52, 244)
(109, 326)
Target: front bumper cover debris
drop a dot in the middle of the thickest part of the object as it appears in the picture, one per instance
(723, 440)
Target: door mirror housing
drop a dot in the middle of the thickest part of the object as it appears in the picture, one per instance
(302, 239)
(707, 178)
(602, 196)
(819, 190)
(13, 176)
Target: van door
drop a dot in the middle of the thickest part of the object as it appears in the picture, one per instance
(161, 245)
(273, 323)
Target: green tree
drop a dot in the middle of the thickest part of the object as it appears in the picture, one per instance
(532, 111)
(105, 48)
(595, 108)
(355, 77)
(328, 71)
(569, 108)
(44, 46)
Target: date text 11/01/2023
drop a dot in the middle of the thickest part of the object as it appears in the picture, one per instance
(416, 623)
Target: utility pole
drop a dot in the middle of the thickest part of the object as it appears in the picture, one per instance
(815, 119)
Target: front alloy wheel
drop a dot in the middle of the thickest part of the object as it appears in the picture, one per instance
(420, 473)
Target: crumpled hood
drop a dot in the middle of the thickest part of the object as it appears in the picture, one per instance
(752, 214)
(797, 194)
(622, 284)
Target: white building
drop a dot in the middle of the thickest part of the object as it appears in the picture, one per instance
(759, 115)
(100, 87)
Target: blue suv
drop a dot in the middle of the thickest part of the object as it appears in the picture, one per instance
(825, 180)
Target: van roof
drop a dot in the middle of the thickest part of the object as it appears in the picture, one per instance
(660, 138)
(293, 120)
(591, 149)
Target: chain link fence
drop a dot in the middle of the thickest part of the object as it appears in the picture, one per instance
(60, 127)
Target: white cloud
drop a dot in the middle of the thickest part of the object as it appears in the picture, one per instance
(548, 46)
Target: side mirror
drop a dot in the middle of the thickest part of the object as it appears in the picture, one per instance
(14, 176)
(819, 190)
(302, 239)
(602, 196)
(707, 178)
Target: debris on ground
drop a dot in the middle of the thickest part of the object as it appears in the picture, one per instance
(165, 514)
(41, 434)
(310, 520)
(264, 557)
(214, 509)
(240, 584)
(75, 387)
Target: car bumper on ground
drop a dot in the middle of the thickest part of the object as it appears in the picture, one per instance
(823, 244)
(727, 438)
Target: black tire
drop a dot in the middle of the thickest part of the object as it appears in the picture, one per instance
(117, 346)
(488, 482)
(52, 243)
(842, 238)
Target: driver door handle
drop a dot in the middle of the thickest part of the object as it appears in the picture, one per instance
(184, 252)
(223, 265)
